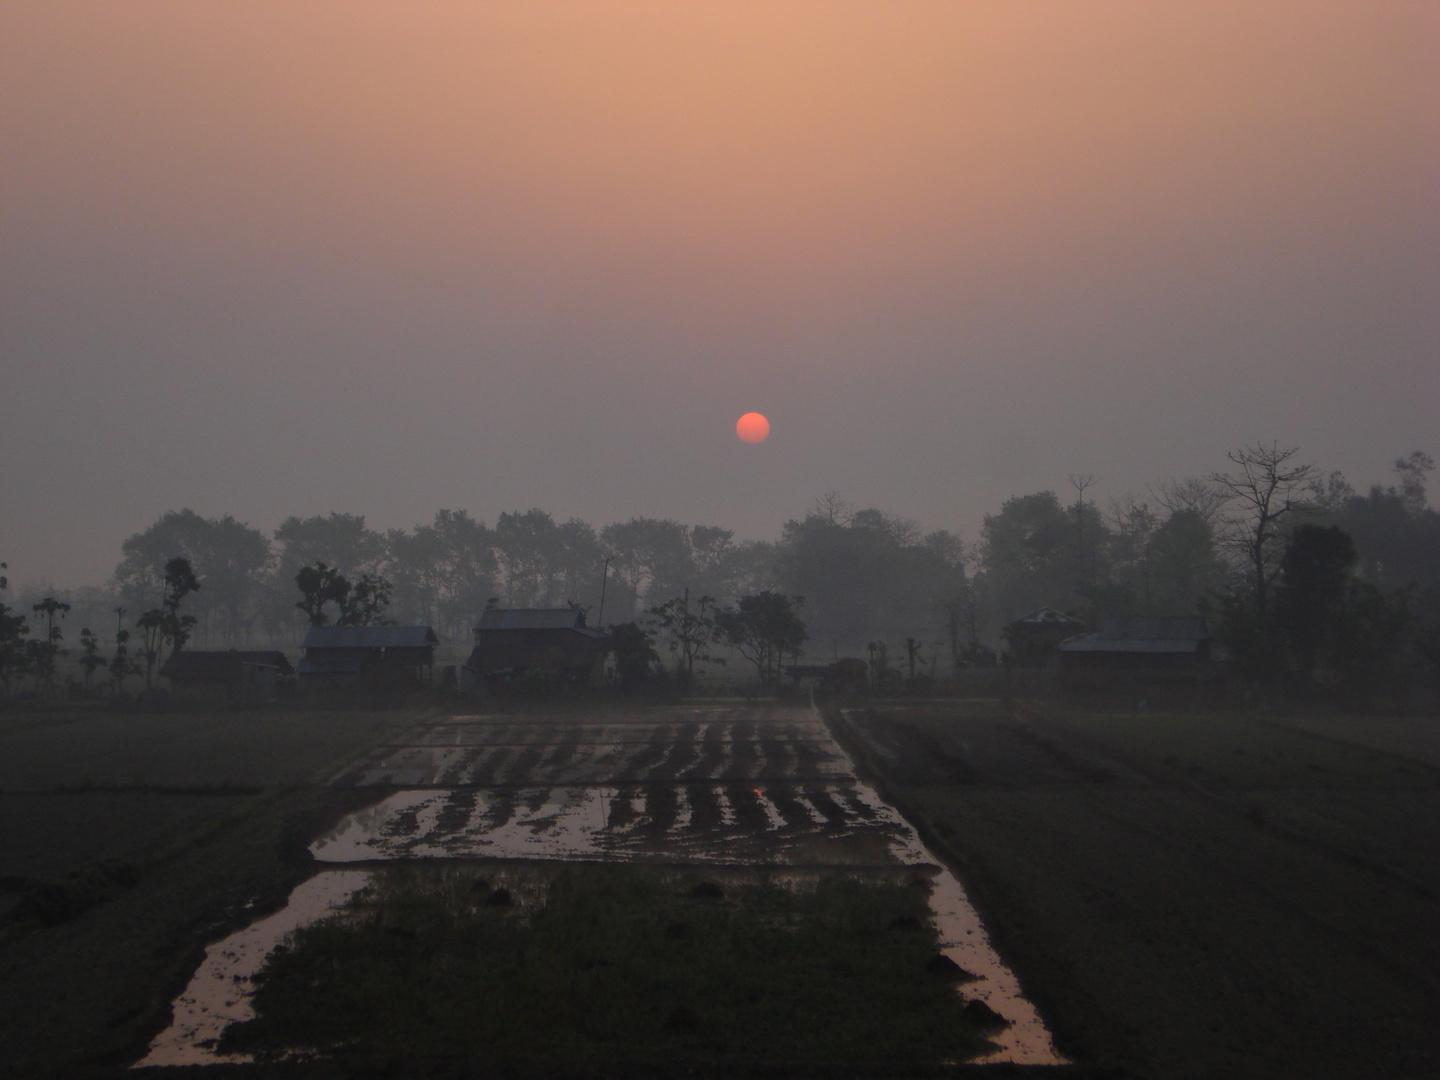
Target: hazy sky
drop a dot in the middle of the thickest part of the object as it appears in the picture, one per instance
(273, 258)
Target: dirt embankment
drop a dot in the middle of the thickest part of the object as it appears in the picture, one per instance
(1191, 896)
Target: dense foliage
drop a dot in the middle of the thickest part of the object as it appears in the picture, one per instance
(872, 583)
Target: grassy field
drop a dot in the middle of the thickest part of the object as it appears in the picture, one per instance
(130, 842)
(1194, 895)
(587, 962)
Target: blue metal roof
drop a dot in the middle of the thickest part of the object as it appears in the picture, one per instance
(1154, 628)
(532, 619)
(1143, 634)
(370, 637)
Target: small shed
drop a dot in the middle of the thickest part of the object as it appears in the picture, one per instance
(545, 642)
(230, 670)
(356, 653)
(1031, 641)
(1160, 659)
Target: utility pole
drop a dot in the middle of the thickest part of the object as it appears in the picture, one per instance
(604, 578)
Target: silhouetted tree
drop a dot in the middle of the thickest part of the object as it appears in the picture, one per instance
(230, 556)
(651, 558)
(912, 653)
(122, 664)
(366, 603)
(1183, 563)
(579, 563)
(165, 624)
(688, 633)
(320, 585)
(764, 629)
(527, 549)
(1195, 494)
(14, 658)
(1086, 545)
(90, 658)
(1029, 553)
(180, 582)
(1413, 472)
(1310, 595)
(1427, 637)
(444, 571)
(152, 635)
(47, 650)
(1374, 656)
(1397, 535)
(1132, 531)
(1324, 627)
(339, 540)
(1266, 487)
(336, 539)
(883, 678)
(867, 573)
(634, 649)
(713, 552)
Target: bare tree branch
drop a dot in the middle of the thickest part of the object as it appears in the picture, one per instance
(1265, 489)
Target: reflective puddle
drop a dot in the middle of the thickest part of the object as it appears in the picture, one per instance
(1026, 1040)
(781, 824)
(219, 993)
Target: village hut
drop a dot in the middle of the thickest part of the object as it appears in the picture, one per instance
(1164, 660)
(1031, 641)
(337, 655)
(248, 672)
(552, 644)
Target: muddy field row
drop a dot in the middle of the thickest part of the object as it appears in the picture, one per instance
(496, 754)
(840, 823)
(1194, 895)
(712, 785)
(702, 725)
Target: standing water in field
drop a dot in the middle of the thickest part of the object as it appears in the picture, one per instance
(1025, 1040)
(219, 993)
(783, 828)
(709, 788)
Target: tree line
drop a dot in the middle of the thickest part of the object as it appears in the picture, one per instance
(866, 580)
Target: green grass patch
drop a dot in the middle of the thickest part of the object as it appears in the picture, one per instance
(614, 962)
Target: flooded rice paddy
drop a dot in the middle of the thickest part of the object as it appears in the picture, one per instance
(764, 788)
(686, 746)
(781, 824)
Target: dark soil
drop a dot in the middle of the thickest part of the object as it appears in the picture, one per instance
(143, 839)
(1191, 896)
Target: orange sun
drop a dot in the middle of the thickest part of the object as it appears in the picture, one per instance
(752, 428)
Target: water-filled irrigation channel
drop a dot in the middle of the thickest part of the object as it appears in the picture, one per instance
(764, 788)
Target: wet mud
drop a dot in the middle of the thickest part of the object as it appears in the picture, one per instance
(743, 788)
(784, 824)
(1194, 895)
(487, 752)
